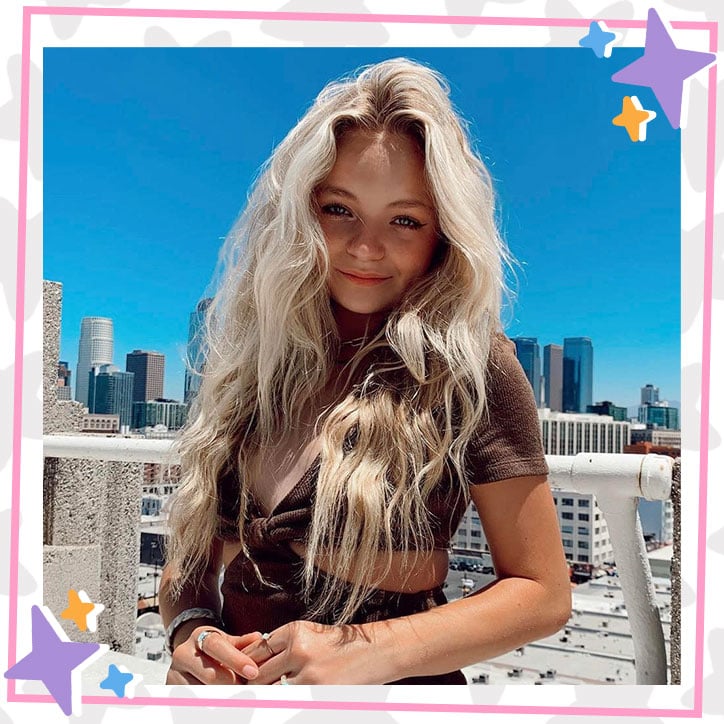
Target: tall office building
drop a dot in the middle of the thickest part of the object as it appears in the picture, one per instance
(608, 408)
(95, 348)
(577, 374)
(170, 413)
(649, 395)
(147, 368)
(584, 532)
(660, 415)
(528, 353)
(63, 382)
(553, 375)
(195, 350)
(110, 392)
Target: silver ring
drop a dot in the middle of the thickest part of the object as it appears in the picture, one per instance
(265, 638)
(283, 680)
(202, 637)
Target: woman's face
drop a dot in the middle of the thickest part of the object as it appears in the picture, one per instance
(378, 220)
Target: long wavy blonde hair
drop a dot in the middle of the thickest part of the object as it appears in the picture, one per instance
(272, 344)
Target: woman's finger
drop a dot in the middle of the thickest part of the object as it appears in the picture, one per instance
(220, 648)
(174, 677)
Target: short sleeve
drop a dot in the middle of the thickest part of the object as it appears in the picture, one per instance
(508, 442)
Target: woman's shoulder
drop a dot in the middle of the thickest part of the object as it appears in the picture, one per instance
(508, 442)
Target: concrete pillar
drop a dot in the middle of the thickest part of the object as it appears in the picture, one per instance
(91, 513)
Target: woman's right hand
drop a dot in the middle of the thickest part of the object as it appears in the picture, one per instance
(221, 661)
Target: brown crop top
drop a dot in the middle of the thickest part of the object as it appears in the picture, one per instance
(508, 445)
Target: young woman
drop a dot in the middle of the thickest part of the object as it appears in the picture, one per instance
(357, 394)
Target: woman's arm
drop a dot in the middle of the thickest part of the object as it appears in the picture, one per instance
(529, 600)
(221, 661)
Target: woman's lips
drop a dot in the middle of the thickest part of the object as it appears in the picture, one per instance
(365, 281)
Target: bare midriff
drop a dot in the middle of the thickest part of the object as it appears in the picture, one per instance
(409, 573)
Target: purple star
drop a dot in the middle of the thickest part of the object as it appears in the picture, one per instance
(663, 67)
(54, 660)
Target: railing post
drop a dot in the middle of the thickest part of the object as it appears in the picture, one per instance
(637, 586)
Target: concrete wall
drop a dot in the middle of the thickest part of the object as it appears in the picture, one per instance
(91, 514)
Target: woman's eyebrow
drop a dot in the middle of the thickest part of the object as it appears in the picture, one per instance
(400, 203)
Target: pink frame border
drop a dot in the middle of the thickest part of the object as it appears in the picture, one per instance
(711, 27)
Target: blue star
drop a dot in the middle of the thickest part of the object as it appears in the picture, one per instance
(599, 39)
(116, 681)
(55, 660)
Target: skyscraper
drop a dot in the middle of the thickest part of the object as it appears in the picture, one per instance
(195, 350)
(95, 348)
(110, 392)
(64, 377)
(649, 395)
(553, 374)
(528, 353)
(147, 368)
(577, 374)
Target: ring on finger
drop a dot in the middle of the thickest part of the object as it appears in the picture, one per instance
(284, 680)
(265, 638)
(202, 637)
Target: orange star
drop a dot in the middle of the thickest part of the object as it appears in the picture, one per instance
(633, 118)
(81, 610)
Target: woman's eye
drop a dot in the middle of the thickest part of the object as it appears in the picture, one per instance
(335, 210)
(407, 222)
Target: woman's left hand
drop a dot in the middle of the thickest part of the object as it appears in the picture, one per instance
(302, 652)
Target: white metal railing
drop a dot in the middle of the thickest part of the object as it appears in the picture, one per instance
(616, 480)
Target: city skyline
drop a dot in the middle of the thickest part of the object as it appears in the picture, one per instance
(144, 203)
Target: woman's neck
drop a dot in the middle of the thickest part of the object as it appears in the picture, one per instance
(355, 327)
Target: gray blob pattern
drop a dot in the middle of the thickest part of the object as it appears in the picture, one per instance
(696, 143)
(66, 26)
(485, 694)
(26, 581)
(33, 390)
(34, 245)
(10, 113)
(157, 37)
(692, 270)
(32, 413)
(569, 37)
(635, 697)
(226, 715)
(716, 541)
(690, 411)
(469, 7)
(350, 693)
(310, 716)
(713, 701)
(6, 393)
(8, 230)
(4, 718)
(325, 33)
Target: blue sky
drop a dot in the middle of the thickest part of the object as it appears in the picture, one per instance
(149, 153)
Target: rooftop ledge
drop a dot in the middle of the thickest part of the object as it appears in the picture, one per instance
(616, 480)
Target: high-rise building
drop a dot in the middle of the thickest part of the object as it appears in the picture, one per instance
(170, 413)
(63, 381)
(660, 414)
(649, 395)
(577, 374)
(553, 375)
(608, 408)
(110, 392)
(528, 353)
(584, 532)
(95, 348)
(147, 368)
(195, 350)
(566, 433)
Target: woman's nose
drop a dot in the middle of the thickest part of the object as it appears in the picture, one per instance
(366, 244)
